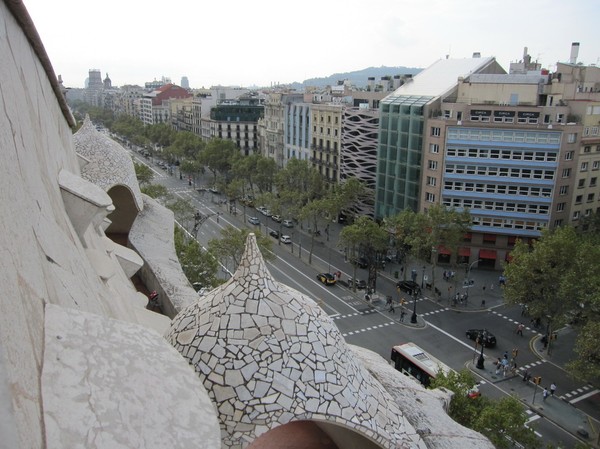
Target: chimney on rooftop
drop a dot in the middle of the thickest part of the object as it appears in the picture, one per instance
(476, 54)
(574, 53)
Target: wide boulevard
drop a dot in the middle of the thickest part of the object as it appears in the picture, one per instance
(440, 327)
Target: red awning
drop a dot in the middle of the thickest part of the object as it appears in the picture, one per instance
(464, 252)
(443, 250)
(487, 253)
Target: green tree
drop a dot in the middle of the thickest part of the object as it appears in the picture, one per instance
(367, 239)
(537, 276)
(160, 134)
(463, 409)
(501, 420)
(217, 156)
(230, 247)
(199, 266)
(156, 191)
(143, 173)
(184, 212)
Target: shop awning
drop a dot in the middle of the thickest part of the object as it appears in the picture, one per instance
(487, 253)
(443, 250)
(464, 252)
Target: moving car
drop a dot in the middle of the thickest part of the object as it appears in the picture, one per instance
(409, 287)
(287, 223)
(286, 239)
(361, 284)
(254, 220)
(326, 278)
(489, 340)
(361, 262)
(273, 233)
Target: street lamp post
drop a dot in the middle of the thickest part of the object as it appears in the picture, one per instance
(480, 360)
(423, 278)
(413, 318)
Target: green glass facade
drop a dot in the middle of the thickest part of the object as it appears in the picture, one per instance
(399, 154)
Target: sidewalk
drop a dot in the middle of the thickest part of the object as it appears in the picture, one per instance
(554, 409)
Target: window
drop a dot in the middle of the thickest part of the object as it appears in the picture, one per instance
(593, 182)
(569, 156)
(581, 184)
(430, 197)
(431, 181)
(566, 172)
(595, 165)
(587, 149)
(590, 197)
(576, 215)
(435, 131)
(433, 165)
(434, 148)
(578, 199)
(584, 166)
(560, 207)
(571, 137)
(558, 223)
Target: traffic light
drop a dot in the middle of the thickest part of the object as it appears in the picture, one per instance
(537, 380)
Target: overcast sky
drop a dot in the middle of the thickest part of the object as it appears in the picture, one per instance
(264, 42)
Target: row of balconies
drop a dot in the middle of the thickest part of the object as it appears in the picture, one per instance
(323, 163)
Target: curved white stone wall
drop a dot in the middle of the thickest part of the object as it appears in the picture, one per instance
(109, 163)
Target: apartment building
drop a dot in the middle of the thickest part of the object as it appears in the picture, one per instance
(272, 126)
(326, 140)
(237, 121)
(507, 147)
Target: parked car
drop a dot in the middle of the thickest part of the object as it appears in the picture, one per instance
(254, 220)
(361, 284)
(276, 218)
(273, 233)
(286, 239)
(361, 262)
(287, 223)
(409, 287)
(326, 278)
(489, 340)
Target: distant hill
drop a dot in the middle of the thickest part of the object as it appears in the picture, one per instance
(359, 78)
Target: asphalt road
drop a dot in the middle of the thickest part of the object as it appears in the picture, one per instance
(441, 329)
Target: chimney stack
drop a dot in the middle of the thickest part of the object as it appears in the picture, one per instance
(574, 53)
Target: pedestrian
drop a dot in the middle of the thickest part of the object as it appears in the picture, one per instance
(402, 313)
(526, 376)
(552, 389)
(392, 307)
(483, 302)
(545, 394)
(498, 365)
(388, 301)
(367, 297)
(492, 286)
(520, 329)
(484, 289)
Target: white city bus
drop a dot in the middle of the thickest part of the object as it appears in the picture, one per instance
(411, 360)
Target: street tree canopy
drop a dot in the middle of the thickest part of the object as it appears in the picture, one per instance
(497, 419)
(556, 278)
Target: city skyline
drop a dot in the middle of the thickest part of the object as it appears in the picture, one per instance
(258, 44)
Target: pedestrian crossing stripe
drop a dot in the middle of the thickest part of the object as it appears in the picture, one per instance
(366, 329)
